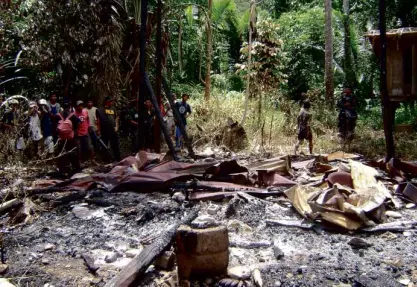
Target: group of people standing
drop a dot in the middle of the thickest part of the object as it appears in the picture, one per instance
(74, 130)
(47, 128)
(149, 117)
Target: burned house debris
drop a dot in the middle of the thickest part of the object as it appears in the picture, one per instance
(226, 220)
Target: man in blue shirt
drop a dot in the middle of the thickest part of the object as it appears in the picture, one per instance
(54, 109)
(184, 110)
(46, 126)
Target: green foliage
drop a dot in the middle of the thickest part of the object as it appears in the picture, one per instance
(303, 34)
(81, 40)
(406, 115)
(72, 45)
(268, 58)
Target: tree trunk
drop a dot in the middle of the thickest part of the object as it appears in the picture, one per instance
(208, 59)
(180, 46)
(328, 78)
(135, 77)
(259, 110)
(200, 64)
(349, 73)
(251, 27)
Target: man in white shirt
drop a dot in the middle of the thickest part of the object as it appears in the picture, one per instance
(35, 132)
(92, 114)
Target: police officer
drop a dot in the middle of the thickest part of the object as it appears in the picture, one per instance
(108, 123)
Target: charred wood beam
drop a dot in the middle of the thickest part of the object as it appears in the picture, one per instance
(72, 196)
(4, 207)
(142, 59)
(177, 117)
(160, 118)
(130, 275)
(158, 84)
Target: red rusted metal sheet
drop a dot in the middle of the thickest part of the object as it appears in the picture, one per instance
(180, 167)
(340, 177)
(237, 178)
(143, 181)
(274, 179)
(226, 168)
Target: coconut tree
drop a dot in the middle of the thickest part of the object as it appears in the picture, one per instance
(328, 53)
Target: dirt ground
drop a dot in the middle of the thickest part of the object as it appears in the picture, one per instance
(49, 251)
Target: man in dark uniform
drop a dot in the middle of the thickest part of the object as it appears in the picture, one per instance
(347, 115)
(148, 125)
(108, 124)
(133, 122)
(184, 110)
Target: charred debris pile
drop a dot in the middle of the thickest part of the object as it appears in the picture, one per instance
(188, 219)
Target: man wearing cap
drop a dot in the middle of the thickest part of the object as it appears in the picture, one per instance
(54, 109)
(184, 110)
(46, 126)
(84, 141)
(108, 125)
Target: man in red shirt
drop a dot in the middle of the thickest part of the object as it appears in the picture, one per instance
(84, 141)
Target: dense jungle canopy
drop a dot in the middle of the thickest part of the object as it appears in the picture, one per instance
(83, 49)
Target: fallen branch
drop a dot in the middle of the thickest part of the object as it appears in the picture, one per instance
(4, 207)
(52, 158)
(391, 226)
(130, 274)
(289, 223)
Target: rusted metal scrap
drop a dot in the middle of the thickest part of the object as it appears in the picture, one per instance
(281, 165)
(409, 190)
(343, 206)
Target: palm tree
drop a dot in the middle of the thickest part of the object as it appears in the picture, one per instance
(349, 73)
(209, 50)
(329, 53)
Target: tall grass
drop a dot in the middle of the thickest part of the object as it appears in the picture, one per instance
(277, 133)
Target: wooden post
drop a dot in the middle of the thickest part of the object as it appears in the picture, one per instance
(160, 118)
(386, 104)
(142, 59)
(158, 75)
